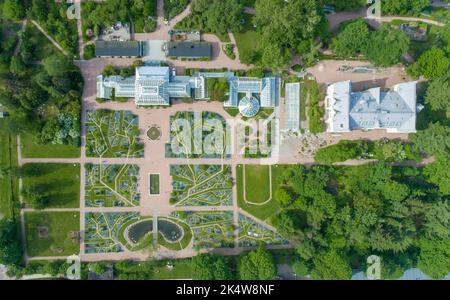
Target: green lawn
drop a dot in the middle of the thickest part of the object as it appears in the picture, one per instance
(52, 233)
(31, 149)
(61, 183)
(262, 212)
(154, 184)
(257, 182)
(9, 185)
(248, 40)
(182, 269)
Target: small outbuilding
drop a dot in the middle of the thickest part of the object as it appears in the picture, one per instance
(118, 49)
(189, 50)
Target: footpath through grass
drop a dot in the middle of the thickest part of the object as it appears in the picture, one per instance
(52, 233)
(59, 182)
(263, 212)
(31, 149)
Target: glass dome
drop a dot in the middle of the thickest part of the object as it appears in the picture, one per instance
(249, 106)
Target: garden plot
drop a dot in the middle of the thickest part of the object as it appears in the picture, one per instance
(112, 134)
(201, 185)
(251, 233)
(198, 135)
(209, 229)
(112, 185)
(103, 231)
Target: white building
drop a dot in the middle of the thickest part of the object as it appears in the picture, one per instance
(156, 85)
(394, 110)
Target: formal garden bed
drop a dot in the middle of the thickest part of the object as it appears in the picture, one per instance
(201, 185)
(198, 135)
(112, 134)
(112, 185)
(209, 229)
(251, 233)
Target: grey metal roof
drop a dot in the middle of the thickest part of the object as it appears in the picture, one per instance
(394, 110)
(189, 49)
(118, 48)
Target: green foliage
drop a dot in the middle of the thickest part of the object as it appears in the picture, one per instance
(386, 46)
(403, 7)
(434, 257)
(283, 25)
(174, 7)
(342, 151)
(89, 51)
(229, 50)
(139, 13)
(211, 267)
(432, 64)
(437, 95)
(347, 4)
(13, 9)
(256, 265)
(209, 16)
(300, 268)
(315, 111)
(52, 17)
(433, 140)
(340, 212)
(330, 265)
(439, 173)
(217, 89)
(129, 270)
(10, 247)
(45, 100)
(352, 40)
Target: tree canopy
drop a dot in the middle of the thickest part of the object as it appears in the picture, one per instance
(10, 247)
(256, 265)
(283, 26)
(403, 7)
(386, 46)
(211, 267)
(432, 64)
(340, 215)
(352, 40)
(437, 95)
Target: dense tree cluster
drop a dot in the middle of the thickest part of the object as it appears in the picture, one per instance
(12, 9)
(383, 47)
(10, 247)
(340, 216)
(287, 28)
(403, 7)
(52, 16)
(43, 99)
(139, 13)
(174, 7)
(256, 265)
(384, 149)
(432, 64)
(211, 267)
(210, 16)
